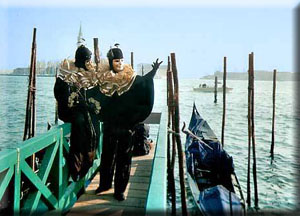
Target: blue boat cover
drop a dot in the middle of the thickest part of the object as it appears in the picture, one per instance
(219, 201)
(200, 157)
(211, 167)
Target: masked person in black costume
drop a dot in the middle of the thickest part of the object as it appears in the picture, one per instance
(128, 100)
(80, 111)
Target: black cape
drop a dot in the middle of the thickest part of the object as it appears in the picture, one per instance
(129, 108)
(126, 110)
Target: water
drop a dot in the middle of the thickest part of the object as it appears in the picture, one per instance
(13, 97)
(276, 182)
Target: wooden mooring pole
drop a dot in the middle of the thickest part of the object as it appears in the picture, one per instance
(96, 53)
(253, 134)
(131, 54)
(33, 110)
(273, 117)
(253, 138)
(177, 131)
(249, 133)
(216, 89)
(224, 101)
(30, 123)
(143, 69)
(171, 121)
(56, 104)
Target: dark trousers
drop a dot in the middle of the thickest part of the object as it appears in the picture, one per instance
(116, 156)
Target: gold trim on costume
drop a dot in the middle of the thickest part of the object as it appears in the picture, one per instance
(78, 76)
(108, 81)
(96, 104)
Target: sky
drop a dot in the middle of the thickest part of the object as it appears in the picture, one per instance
(200, 33)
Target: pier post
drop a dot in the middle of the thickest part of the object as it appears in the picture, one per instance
(249, 134)
(177, 131)
(216, 89)
(56, 104)
(253, 133)
(33, 110)
(171, 158)
(273, 117)
(30, 123)
(169, 121)
(131, 54)
(143, 69)
(96, 53)
(224, 101)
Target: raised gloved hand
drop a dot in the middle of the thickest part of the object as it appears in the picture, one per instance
(156, 65)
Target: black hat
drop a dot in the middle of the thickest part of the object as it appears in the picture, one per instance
(82, 54)
(114, 53)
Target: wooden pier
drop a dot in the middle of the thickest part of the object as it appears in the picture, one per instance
(54, 193)
(136, 193)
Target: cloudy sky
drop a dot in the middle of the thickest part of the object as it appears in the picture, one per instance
(201, 33)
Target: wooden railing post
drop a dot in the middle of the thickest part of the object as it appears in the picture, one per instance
(17, 185)
(60, 169)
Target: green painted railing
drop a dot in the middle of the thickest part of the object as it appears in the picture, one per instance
(51, 188)
(157, 194)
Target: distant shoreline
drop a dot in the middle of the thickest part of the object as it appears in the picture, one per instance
(38, 75)
(258, 75)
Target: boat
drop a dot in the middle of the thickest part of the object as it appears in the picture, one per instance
(210, 171)
(205, 88)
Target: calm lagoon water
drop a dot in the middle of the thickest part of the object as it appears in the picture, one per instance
(276, 182)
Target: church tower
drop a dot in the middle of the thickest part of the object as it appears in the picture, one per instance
(80, 39)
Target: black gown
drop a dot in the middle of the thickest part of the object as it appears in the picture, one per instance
(84, 137)
(119, 114)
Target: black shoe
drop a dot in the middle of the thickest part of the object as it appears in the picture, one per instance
(101, 189)
(119, 196)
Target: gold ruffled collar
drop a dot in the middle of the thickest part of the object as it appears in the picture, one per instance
(108, 81)
(77, 76)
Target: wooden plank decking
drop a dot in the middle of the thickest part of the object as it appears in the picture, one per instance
(136, 193)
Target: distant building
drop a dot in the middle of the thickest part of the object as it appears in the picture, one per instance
(21, 71)
(258, 75)
(80, 39)
(6, 71)
(43, 71)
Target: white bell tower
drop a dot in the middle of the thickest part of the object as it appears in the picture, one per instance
(80, 39)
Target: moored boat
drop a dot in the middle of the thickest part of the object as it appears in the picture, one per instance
(210, 171)
(205, 88)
